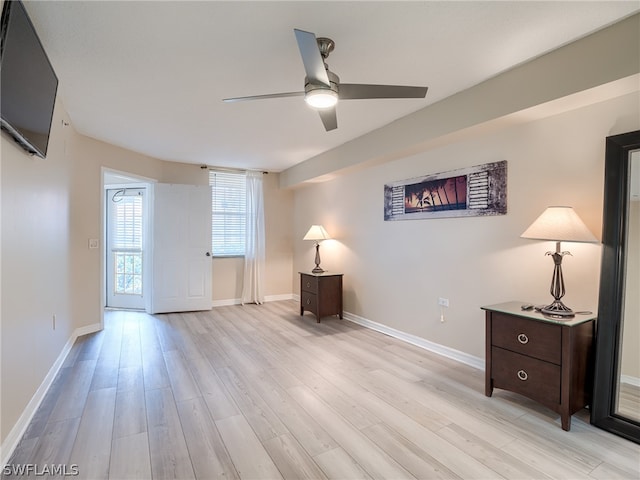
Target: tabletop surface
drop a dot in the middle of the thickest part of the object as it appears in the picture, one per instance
(323, 274)
(515, 308)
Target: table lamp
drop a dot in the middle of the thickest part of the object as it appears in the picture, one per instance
(559, 224)
(317, 233)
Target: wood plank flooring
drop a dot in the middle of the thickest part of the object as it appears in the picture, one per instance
(629, 401)
(258, 392)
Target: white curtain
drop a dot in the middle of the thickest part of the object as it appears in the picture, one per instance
(253, 287)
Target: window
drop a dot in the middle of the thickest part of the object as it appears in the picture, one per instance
(228, 212)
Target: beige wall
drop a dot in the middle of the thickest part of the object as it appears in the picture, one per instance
(37, 267)
(395, 271)
(88, 156)
(50, 209)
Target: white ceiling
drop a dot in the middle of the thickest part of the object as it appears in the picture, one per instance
(150, 76)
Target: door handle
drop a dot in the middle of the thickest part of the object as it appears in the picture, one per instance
(208, 254)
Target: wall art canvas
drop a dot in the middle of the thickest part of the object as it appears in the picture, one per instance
(467, 192)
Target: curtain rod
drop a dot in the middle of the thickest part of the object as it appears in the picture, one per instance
(229, 169)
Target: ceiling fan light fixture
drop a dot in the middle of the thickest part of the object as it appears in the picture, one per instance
(321, 98)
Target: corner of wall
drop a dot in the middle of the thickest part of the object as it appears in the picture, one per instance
(15, 434)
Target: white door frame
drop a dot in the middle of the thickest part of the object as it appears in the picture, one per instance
(113, 178)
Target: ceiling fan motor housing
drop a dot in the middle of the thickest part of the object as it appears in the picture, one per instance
(334, 83)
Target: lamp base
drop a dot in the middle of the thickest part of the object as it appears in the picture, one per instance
(558, 308)
(317, 269)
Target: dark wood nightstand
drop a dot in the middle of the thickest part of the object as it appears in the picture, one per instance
(321, 294)
(547, 359)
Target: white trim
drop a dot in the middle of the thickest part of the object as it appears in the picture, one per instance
(226, 303)
(457, 355)
(635, 381)
(238, 301)
(86, 330)
(277, 298)
(138, 181)
(18, 430)
(134, 177)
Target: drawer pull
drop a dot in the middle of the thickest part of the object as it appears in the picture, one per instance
(308, 284)
(308, 301)
(523, 339)
(522, 375)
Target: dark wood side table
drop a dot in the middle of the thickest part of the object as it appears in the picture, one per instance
(547, 359)
(321, 294)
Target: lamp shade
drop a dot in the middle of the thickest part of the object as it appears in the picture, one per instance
(559, 224)
(317, 233)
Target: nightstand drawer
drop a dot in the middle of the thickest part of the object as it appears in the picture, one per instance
(308, 283)
(535, 339)
(309, 301)
(528, 376)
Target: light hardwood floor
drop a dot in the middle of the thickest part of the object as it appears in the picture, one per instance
(258, 392)
(629, 401)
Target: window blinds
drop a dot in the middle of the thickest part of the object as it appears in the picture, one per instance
(126, 233)
(228, 207)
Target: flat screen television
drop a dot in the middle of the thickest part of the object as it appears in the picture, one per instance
(28, 84)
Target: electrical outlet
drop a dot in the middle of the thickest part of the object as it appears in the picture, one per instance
(443, 302)
(93, 243)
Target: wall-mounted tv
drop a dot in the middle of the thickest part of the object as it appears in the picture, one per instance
(28, 84)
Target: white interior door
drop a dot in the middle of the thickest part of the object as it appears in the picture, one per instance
(125, 247)
(181, 248)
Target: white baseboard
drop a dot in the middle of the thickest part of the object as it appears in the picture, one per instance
(635, 381)
(238, 301)
(475, 362)
(448, 352)
(277, 298)
(86, 330)
(18, 430)
(225, 303)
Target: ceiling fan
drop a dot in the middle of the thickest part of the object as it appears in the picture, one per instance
(322, 87)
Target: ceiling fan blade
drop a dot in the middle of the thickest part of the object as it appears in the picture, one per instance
(262, 97)
(329, 118)
(311, 58)
(352, 91)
